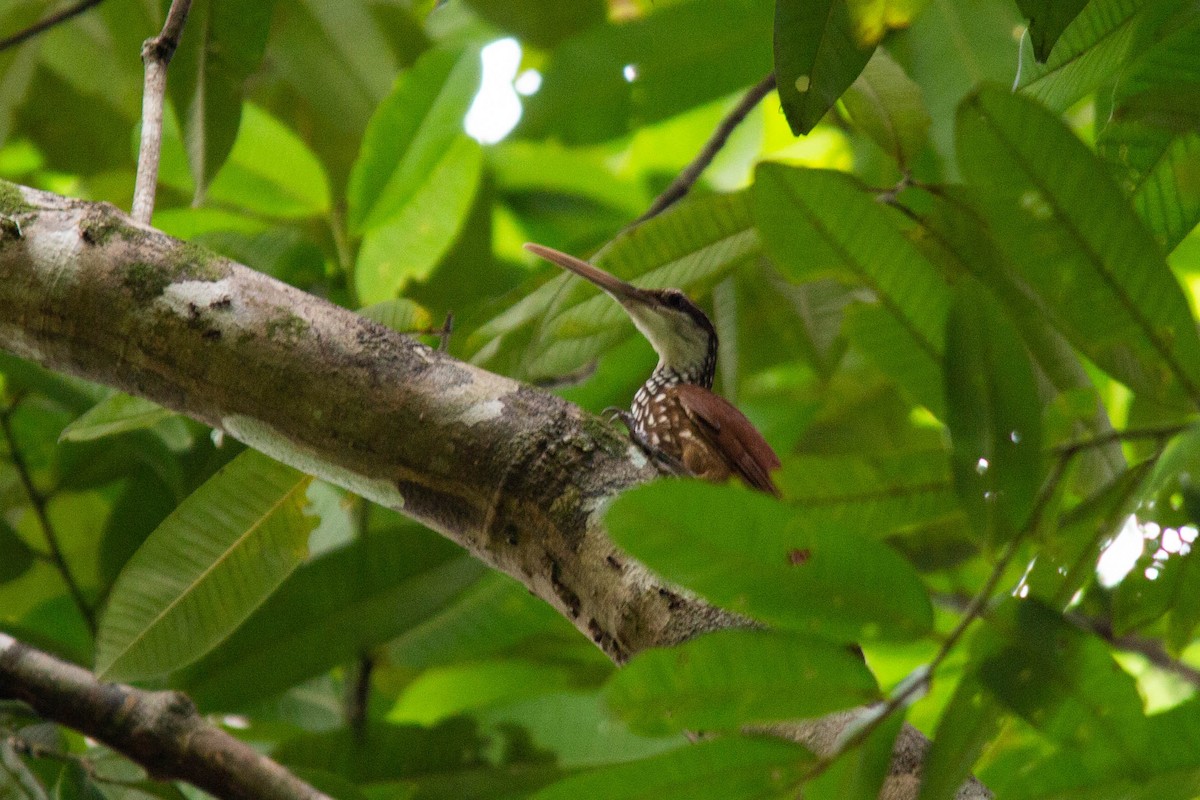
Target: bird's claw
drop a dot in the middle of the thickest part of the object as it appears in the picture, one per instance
(663, 462)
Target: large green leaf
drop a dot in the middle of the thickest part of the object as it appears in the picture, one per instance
(726, 679)
(117, 413)
(272, 171)
(1079, 245)
(993, 413)
(729, 768)
(411, 136)
(205, 568)
(870, 495)
(328, 612)
(1149, 136)
(221, 46)
(1047, 20)
(887, 106)
(959, 235)
(610, 78)
(815, 222)
(1095, 47)
(497, 616)
(951, 48)
(1064, 682)
(817, 57)
(757, 556)
(408, 245)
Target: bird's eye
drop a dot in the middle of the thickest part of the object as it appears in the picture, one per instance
(675, 299)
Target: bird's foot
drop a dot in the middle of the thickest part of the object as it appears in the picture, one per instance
(665, 463)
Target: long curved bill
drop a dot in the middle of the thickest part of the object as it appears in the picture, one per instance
(619, 289)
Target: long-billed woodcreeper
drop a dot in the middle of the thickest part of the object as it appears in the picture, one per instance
(675, 415)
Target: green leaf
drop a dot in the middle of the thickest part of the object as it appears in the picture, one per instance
(116, 414)
(271, 171)
(817, 57)
(887, 106)
(1100, 43)
(205, 568)
(411, 135)
(18, 558)
(968, 723)
(221, 46)
(408, 245)
(383, 752)
(578, 728)
(1080, 246)
(1047, 20)
(401, 315)
(541, 24)
(726, 679)
(870, 495)
(1064, 683)
(329, 611)
(1150, 136)
(757, 556)
(815, 222)
(949, 50)
(959, 236)
(17, 64)
(881, 336)
(679, 56)
(729, 768)
(993, 413)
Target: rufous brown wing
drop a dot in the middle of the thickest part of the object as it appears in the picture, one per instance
(728, 434)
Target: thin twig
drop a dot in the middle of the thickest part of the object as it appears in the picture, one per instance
(691, 173)
(38, 501)
(1157, 433)
(46, 24)
(156, 55)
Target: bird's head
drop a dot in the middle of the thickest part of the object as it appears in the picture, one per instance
(676, 328)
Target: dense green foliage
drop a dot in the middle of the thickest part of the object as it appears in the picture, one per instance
(938, 297)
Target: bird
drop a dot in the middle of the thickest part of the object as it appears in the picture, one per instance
(675, 415)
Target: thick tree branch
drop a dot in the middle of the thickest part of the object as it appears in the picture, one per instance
(161, 731)
(514, 474)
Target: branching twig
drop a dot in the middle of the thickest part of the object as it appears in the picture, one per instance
(25, 747)
(46, 24)
(691, 173)
(38, 501)
(161, 731)
(156, 54)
